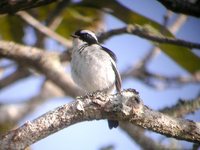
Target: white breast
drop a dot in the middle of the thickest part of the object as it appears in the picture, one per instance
(92, 69)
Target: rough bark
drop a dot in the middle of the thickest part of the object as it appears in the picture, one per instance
(124, 106)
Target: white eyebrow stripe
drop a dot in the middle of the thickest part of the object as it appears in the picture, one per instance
(91, 33)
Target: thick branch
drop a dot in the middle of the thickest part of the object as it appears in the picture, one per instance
(144, 32)
(12, 6)
(183, 108)
(182, 6)
(45, 62)
(124, 106)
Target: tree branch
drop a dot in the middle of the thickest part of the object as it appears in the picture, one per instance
(149, 78)
(140, 69)
(20, 73)
(124, 106)
(182, 108)
(12, 6)
(47, 63)
(182, 6)
(144, 32)
(56, 12)
(43, 29)
(12, 113)
(138, 135)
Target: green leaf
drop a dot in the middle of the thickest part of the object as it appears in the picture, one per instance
(77, 17)
(181, 55)
(11, 28)
(73, 18)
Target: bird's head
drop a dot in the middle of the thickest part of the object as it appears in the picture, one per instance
(84, 37)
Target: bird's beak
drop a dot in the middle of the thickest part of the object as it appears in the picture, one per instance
(74, 36)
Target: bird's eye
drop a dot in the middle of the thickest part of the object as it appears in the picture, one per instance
(86, 35)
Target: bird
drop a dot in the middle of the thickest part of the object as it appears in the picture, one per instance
(93, 66)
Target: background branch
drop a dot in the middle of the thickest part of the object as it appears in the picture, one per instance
(56, 12)
(148, 34)
(47, 63)
(12, 113)
(20, 73)
(64, 17)
(140, 69)
(137, 134)
(182, 107)
(125, 106)
(45, 30)
(11, 7)
(180, 6)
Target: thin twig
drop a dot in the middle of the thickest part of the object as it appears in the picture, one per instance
(138, 134)
(147, 34)
(55, 13)
(178, 23)
(12, 113)
(182, 108)
(140, 71)
(45, 30)
(20, 73)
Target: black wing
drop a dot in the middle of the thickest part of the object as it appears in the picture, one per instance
(112, 55)
(118, 81)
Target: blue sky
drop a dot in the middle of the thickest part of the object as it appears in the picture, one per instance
(129, 49)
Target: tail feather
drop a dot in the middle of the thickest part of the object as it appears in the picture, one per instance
(113, 124)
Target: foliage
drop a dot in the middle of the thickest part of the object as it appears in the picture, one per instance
(87, 14)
